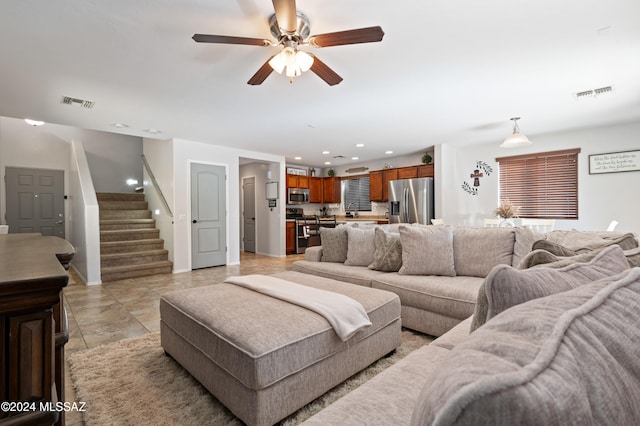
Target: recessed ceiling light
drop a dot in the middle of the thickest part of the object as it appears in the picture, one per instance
(33, 122)
(354, 158)
(326, 152)
(153, 131)
(297, 158)
(388, 152)
(327, 162)
(359, 145)
(120, 125)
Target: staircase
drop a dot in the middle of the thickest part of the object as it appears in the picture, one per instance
(129, 241)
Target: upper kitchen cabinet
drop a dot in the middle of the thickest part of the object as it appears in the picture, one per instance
(375, 185)
(315, 190)
(408, 172)
(297, 181)
(379, 179)
(379, 184)
(331, 189)
(425, 170)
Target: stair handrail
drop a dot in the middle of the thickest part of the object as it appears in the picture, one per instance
(147, 167)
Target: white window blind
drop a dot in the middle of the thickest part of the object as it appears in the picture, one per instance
(544, 185)
(356, 194)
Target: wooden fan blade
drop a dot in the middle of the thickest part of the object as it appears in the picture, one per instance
(262, 74)
(208, 38)
(361, 35)
(324, 72)
(286, 15)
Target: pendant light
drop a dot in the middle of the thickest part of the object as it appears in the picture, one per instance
(516, 139)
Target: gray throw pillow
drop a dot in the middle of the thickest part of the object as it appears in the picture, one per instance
(506, 286)
(566, 359)
(360, 246)
(427, 250)
(334, 243)
(388, 254)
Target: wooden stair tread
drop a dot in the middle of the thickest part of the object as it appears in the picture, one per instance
(133, 253)
(150, 265)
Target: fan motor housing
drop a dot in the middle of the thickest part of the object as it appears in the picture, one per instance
(301, 33)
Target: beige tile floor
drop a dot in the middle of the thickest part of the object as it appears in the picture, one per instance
(106, 313)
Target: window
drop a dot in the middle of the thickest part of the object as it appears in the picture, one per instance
(544, 185)
(355, 193)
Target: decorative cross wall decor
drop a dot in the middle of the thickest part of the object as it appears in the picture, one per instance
(476, 175)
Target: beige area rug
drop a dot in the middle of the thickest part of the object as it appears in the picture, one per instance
(133, 382)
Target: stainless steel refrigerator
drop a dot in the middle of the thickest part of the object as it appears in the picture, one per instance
(411, 201)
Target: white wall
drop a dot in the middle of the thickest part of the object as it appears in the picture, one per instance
(112, 157)
(601, 197)
(187, 152)
(268, 240)
(85, 218)
(159, 155)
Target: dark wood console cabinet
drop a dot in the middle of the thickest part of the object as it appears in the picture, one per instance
(33, 329)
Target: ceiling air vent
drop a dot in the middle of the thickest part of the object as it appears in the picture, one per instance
(339, 156)
(67, 100)
(585, 94)
(594, 92)
(602, 90)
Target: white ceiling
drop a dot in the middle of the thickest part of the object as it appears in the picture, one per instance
(450, 71)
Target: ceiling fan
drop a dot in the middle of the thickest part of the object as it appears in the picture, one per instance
(291, 29)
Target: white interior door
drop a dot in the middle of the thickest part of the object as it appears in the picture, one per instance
(249, 213)
(208, 216)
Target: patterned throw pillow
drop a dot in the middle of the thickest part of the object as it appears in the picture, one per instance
(427, 250)
(360, 246)
(334, 243)
(388, 254)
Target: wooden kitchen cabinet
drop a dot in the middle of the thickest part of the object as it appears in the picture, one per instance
(408, 172)
(315, 190)
(387, 175)
(331, 190)
(379, 184)
(375, 186)
(426, 170)
(297, 181)
(379, 179)
(291, 237)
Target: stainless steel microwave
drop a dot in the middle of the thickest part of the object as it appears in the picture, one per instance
(297, 196)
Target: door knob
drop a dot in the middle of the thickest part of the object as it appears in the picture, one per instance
(194, 221)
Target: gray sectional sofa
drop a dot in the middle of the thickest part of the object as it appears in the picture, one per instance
(431, 303)
(553, 344)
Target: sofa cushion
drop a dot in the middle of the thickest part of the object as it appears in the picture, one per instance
(387, 256)
(506, 286)
(569, 358)
(453, 297)
(360, 275)
(582, 241)
(477, 250)
(360, 246)
(427, 250)
(525, 237)
(334, 244)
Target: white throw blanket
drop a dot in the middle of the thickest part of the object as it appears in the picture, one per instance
(346, 316)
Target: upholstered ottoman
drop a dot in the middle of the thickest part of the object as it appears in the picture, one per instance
(265, 358)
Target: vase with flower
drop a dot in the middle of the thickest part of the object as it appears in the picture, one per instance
(507, 211)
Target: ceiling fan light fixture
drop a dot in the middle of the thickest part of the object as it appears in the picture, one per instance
(277, 64)
(516, 139)
(304, 60)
